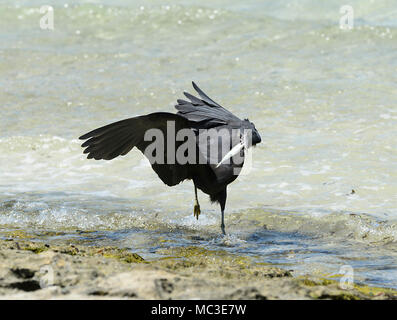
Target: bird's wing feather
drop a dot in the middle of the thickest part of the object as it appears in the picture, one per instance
(118, 138)
(205, 111)
(205, 98)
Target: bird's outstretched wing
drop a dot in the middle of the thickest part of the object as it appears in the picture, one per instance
(118, 138)
(204, 111)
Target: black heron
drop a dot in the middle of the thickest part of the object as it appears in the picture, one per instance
(210, 126)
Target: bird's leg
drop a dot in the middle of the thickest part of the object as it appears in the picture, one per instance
(222, 202)
(223, 223)
(196, 209)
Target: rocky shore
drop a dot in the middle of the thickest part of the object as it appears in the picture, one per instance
(32, 270)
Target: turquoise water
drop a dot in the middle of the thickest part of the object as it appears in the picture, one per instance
(322, 98)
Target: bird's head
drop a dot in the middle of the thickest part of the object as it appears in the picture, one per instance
(248, 125)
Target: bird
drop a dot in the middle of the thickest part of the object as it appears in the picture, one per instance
(205, 123)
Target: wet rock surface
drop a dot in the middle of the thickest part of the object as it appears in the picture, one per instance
(30, 270)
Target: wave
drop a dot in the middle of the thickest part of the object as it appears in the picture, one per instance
(321, 224)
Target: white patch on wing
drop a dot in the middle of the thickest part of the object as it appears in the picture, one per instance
(235, 150)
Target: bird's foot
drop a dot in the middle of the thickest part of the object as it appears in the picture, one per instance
(196, 210)
(223, 229)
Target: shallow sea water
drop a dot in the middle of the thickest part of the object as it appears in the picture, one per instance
(322, 98)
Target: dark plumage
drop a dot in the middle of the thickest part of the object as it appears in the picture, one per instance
(207, 173)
